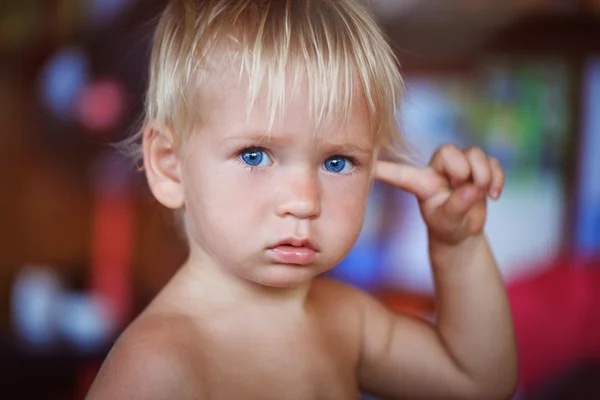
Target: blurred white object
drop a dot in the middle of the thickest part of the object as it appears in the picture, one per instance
(524, 227)
(44, 313)
(83, 320)
(35, 293)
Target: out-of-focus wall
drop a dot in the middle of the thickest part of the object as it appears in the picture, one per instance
(518, 78)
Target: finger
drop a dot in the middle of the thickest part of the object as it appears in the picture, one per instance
(421, 181)
(498, 178)
(451, 163)
(480, 168)
(460, 202)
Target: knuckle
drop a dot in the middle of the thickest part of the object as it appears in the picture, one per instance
(446, 148)
(475, 152)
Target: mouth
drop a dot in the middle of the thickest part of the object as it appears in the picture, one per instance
(297, 243)
(294, 251)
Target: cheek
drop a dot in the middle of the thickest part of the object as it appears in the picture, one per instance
(346, 205)
(229, 195)
(226, 208)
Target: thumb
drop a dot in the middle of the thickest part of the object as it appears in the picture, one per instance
(423, 182)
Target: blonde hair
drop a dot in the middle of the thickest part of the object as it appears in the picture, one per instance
(334, 44)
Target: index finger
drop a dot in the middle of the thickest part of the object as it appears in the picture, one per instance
(424, 182)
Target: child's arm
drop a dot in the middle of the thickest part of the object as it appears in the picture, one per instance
(470, 352)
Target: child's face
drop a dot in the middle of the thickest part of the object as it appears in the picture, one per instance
(245, 193)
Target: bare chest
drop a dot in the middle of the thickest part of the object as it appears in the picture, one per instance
(301, 365)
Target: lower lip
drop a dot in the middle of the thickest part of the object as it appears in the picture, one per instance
(293, 255)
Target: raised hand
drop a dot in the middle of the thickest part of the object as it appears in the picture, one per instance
(452, 190)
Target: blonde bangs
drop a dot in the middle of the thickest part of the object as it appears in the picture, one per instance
(324, 46)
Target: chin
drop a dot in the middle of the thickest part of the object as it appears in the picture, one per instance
(287, 276)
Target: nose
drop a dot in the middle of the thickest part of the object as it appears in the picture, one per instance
(300, 195)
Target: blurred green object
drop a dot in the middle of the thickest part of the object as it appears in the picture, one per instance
(517, 109)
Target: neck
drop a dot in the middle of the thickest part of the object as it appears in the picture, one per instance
(208, 281)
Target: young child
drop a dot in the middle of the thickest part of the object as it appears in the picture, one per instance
(266, 123)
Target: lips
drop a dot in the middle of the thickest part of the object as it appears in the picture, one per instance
(294, 251)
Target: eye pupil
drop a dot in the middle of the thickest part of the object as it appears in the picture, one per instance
(335, 164)
(252, 157)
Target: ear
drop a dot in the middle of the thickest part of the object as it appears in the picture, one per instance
(162, 166)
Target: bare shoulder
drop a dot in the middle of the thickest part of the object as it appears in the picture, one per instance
(343, 296)
(151, 360)
(344, 304)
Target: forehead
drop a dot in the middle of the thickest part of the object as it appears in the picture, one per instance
(231, 105)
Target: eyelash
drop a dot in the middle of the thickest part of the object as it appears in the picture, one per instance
(357, 165)
(251, 168)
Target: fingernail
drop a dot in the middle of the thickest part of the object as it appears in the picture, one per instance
(495, 194)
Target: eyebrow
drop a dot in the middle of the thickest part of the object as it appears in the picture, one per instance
(351, 148)
(260, 138)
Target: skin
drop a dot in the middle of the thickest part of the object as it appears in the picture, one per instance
(234, 323)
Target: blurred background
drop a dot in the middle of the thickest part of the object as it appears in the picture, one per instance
(83, 247)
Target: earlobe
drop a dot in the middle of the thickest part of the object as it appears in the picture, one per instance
(162, 166)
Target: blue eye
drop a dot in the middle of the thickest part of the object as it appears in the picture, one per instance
(338, 164)
(255, 157)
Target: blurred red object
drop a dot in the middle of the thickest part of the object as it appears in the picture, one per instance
(556, 315)
(101, 106)
(557, 320)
